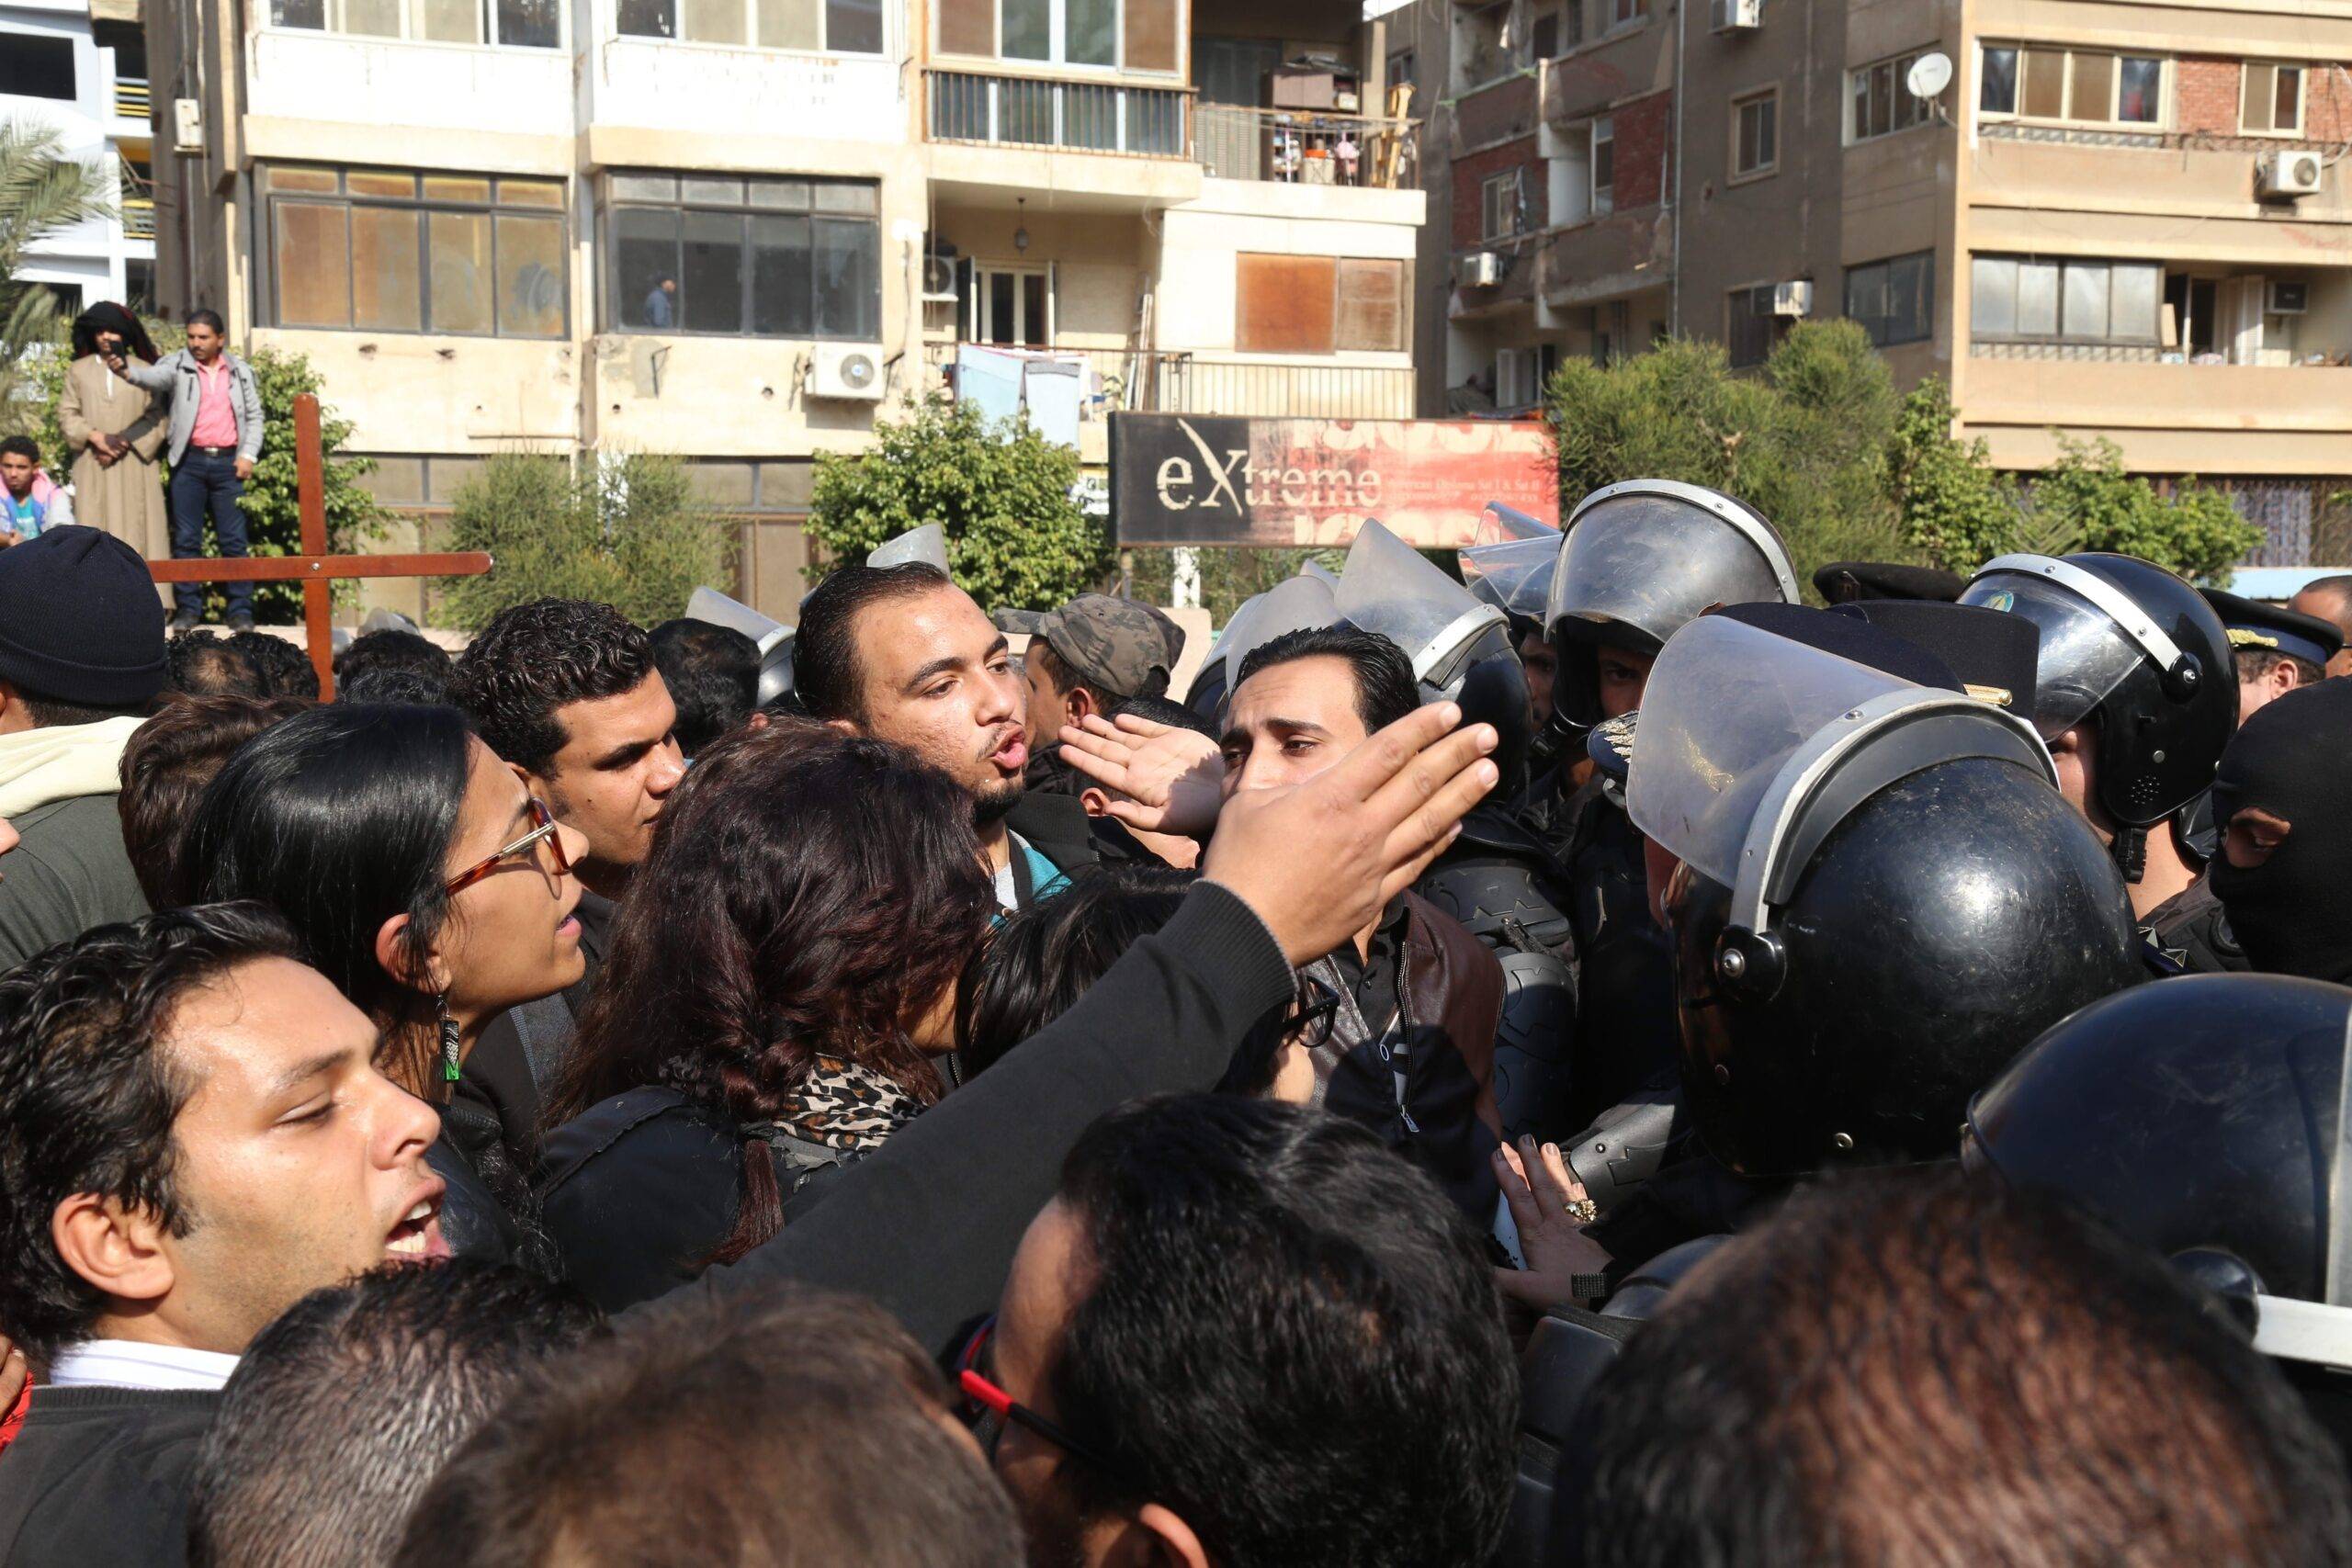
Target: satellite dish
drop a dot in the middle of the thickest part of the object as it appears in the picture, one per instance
(1931, 74)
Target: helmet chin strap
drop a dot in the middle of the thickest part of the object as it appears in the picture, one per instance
(2131, 853)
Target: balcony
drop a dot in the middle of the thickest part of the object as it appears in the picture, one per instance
(1300, 147)
(2210, 420)
(139, 218)
(132, 99)
(1037, 111)
(364, 86)
(1168, 381)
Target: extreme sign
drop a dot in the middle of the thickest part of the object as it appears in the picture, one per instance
(1202, 479)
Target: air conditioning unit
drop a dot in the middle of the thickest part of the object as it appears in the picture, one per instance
(850, 373)
(1792, 299)
(1737, 15)
(187, 126)
(2285, 175)
(1483, 269)
(2289, 299)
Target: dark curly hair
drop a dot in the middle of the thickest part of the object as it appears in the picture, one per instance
(535, 659)
(806, 892)
(88, 1094)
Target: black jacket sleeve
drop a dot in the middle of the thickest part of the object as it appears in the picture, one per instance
(928, 1226)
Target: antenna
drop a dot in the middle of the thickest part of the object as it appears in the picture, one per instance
(1931, 74)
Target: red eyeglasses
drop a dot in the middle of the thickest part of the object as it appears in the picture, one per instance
(987, 1408)
(542, 827)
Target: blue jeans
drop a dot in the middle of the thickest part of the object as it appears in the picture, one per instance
(202, 482)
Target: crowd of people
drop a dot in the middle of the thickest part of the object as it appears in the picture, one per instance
(1597, 1062)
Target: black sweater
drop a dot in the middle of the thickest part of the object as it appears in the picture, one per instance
(100, 1476)
(928, 1226)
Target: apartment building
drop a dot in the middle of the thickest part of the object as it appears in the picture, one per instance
(740, 231)
(2100, 217)
(79, 67)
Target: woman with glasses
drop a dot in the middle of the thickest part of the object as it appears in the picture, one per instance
(428, 886)
(781, 977)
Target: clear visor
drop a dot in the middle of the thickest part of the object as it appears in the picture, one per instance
(1725, 705)
(2084, 654)
(1500, 524)
(927, 544)
(1289, 605)
(710, 606)
(1515, 576)
(1390, 588)
(1653, 562)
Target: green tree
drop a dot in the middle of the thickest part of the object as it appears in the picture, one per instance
(1015, 537)
(2088, 499)
(42, 190)
(1950, 503)
(631, 533)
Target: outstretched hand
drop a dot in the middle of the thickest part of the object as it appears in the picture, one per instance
(1539, 1188)
(1318, 861)
(1173, 779)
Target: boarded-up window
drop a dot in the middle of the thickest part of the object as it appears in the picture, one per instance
(1151, 35)
(1372, 306)
(967, 27)
(1285, 304)
(313, 266)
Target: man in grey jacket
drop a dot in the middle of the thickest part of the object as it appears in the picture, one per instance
(215, 438)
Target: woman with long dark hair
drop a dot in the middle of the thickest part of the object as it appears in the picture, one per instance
(426, 884)
(780, 976)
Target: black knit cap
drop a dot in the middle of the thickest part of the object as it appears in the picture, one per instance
(79, 619)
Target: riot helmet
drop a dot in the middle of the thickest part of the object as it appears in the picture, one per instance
(2204, 1117)
(1637, 561)
(1294, 604)
(1460, 645)
(1882, 895)
(927, 545)
(2133, 647)
(1509, 563)
(772, 637)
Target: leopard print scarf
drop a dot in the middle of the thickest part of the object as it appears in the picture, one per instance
(840, 1113)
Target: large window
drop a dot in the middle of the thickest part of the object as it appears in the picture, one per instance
(1137, 35)
(1499, 205)
(1756, 134)
(2030, 299)
(1604, 166)
(390, 250)
(33, 66)
(1318, 305)
(2273, 105)
(1883, 100)
(1895, 301)
(795, 258)
(832, 27)
(2089, 85)
(518, 24)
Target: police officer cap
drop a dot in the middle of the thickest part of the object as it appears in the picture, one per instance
(1992, 653)
(1851, 581)
(2254, 626)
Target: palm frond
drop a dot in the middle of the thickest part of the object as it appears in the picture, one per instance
(43, 188)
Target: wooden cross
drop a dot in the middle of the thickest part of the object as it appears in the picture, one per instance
(314, 568)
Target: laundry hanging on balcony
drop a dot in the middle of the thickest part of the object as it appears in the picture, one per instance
(1004, 383)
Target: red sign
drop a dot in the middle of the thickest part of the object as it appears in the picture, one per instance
(1206, 479)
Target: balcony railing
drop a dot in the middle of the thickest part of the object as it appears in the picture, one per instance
(139, 217)
(132, 99)
(1174, 382)
(1031, 111)
(1304, 147)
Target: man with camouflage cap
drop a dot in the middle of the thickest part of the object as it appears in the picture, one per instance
(1092, 656)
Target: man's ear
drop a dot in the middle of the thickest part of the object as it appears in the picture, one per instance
(844, 725)
(537, 788)
(1173, 1544)
(1079, 701)
(14, 714)
(119, 1250)
(1095, 801)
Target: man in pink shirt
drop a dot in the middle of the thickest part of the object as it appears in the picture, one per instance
(215, 434)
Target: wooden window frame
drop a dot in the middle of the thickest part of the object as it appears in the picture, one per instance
(1755, 97)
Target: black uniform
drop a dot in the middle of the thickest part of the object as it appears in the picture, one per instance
(2192, 930)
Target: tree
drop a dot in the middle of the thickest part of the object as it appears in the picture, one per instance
(630, 533)
(2087, 498)
(1015, 537)
(1949, 502)
(42, 190)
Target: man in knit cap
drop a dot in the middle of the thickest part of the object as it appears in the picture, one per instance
(81, 666)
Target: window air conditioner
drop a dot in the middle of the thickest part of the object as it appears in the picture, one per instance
(1483, 269)
(1737, 15)
(1792, 299)
(2289, 299)
(2285, 175)
(847, 372)
(939, 280)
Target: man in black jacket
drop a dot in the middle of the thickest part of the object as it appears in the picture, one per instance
(192, 1137)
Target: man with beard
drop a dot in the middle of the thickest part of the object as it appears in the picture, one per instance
(901, 654)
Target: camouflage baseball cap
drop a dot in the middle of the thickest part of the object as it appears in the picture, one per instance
(1114, 645)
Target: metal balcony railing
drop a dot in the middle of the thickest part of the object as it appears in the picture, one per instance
(1307, 147)
(1174, 382)
(132, 99)
(1035, 111)
(139, 217)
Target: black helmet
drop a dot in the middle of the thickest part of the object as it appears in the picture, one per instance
(2139, 650)
(1459, 645)
(1883, 896)
(1637, 561)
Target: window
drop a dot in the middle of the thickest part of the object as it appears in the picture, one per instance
(1521, 374)
(513, 23)
(1403, 69)
(1756, 134)
(33, 66)
(1751, 329)
(1604, 166)
(1555, 32)
(1501, 205)
(2071, 300)
(795, 258)
(1318, 305)
(1882, 102)
(1622, 12)
(2273, 105)
(832, 27)
(1893, 300)
(2088, 85)
(1140, 35)
(387, 250)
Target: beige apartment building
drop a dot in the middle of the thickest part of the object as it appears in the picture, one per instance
(740, 231)
(2110, 218)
